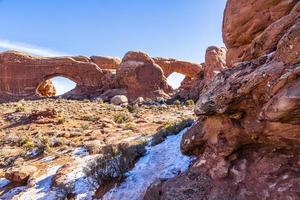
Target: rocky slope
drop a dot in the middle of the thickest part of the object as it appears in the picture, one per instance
(247, 137)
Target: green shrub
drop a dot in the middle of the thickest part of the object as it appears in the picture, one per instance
(20, 108)
(122, 117)
(132, 108)
(171, 128)
(61, 121)
(84, 126)
(189, 102)
(90, 118)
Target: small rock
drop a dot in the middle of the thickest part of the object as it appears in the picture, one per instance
(20, 174)
(119, 100)
(139, 101)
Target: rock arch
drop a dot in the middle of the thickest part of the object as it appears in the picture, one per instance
(21, 74)
(170, 65)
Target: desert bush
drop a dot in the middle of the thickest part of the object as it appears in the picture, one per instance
(189, 102)
(90, 118)
(177, 102)
(130, 126)
(61, 120)
(122, 117)
(170, 128)
(114, 161)
(132, 108)
(84, 127)
(20, 108)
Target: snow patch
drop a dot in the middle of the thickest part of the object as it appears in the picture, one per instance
(164, 160)
(3, 182)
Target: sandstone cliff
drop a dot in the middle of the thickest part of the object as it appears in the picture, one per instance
(247, 137)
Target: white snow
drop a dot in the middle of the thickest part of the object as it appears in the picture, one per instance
(80, 151)
(164, 160)
(48, 159)
(82, 188)
(3, 182)
(41, 190)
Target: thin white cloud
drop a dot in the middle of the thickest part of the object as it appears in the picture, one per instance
(28, 48)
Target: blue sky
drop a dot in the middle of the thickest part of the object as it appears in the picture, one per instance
(181, 29)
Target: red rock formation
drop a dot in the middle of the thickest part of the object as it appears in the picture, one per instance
(140, 76)
(21, 74)
(106, 62)
(247, 137)
(249, 34)
(215, 62)
(46, 89)
(183, 67)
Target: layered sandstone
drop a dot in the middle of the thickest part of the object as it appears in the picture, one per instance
(21, 74)
(140, 76)
(247, 136)
(106, 62)
(250, 34)
(25, 76)
(170, 65)
(215, 62)
(46, 89)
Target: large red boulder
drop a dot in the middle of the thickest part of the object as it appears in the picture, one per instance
(46, 89)
(140, 76)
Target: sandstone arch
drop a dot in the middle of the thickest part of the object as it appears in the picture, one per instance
(170, 65)
(21, 74)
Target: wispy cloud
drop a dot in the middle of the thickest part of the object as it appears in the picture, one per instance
(29, 48)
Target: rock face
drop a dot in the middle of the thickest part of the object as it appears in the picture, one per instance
(46, 89)
(261, 30)
(215, 62)
(141, 77)
(247, 137)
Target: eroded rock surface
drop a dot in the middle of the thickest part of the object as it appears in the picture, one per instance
(46, 89)
(215, 62)
(170, 65)
(141, 76)
(247, 137)
(262, 24)
(21, 74)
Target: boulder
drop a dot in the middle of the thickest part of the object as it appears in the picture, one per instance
(119, 100)
(140, 76)
(20, 174)
(139, 101)
(46, 89)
